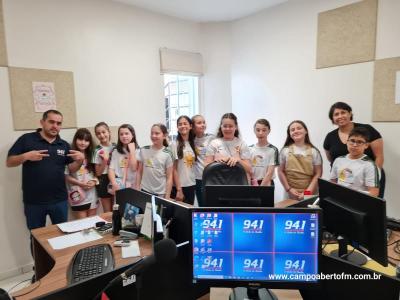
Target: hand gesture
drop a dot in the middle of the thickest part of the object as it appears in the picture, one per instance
(222, 159)
(76, 155)
(131, 147)
(91, 183)
(36, 155)
(84, 185)
(232, 161)
(104, 155)
(294, 194)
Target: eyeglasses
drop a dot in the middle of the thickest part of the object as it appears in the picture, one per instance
(355, 142)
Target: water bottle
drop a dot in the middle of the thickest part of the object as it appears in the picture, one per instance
(116, 220)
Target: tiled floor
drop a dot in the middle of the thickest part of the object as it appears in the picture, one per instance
(10, 283)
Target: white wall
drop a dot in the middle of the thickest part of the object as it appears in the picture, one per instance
(215, 40)
(274, 76)
(112, 49)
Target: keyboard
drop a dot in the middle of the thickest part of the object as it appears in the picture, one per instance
(91, 261)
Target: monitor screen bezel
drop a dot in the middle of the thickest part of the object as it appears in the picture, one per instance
(259, 283)
(269, 190)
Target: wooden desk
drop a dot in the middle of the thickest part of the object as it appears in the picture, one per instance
(51, 265)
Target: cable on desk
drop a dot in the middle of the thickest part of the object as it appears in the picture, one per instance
(348, 253)
(30, 291)
(9, 291)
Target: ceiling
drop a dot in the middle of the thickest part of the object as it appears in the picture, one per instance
(204, 10)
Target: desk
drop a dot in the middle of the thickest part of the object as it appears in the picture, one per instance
(51, 265)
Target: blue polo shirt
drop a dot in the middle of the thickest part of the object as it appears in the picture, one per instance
(43, 182)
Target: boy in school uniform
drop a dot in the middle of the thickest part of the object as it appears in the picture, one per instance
(355, 169)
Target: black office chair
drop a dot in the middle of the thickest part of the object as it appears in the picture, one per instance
(218, 173)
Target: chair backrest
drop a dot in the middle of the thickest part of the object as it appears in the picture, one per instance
(218, 173)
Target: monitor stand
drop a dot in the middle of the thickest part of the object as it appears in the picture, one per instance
(252, 293)
(342, 252)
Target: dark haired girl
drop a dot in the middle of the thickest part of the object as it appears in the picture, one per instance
(185, 156)
(123, 164)
(300, 162)
(82, 194)
(228, 147)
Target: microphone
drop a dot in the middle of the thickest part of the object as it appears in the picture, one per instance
(164, 251)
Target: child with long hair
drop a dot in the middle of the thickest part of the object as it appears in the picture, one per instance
(264, 156)
(124, 164)
(155, 170)
(300, 162)
(82, 194)
(228, 147)
(185, 156)
(201, 142)
(101, 157)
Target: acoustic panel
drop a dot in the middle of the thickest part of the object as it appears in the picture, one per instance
(22, 83)
(347, 35)
(385, 108)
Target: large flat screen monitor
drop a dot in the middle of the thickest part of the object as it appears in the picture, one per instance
(238, 196)
(256, 247)
(358, 218)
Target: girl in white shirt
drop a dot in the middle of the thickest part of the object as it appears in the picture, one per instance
(201, 142)
(101, 157)
(300, 162)
(228, 147)
(185, 157)
(123, 164)
(81, 184)
(155, 170)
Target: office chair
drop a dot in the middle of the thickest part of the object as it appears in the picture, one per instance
(218, 173)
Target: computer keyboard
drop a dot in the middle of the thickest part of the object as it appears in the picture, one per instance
(91, 261)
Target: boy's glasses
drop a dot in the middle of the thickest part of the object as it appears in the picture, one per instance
(355, 142)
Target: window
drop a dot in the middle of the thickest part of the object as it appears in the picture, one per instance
(181, 94)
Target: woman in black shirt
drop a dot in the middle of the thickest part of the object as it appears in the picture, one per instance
(341, 115)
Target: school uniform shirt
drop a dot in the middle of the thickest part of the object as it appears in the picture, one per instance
(261, 158)
(119, 163)
(84, 175)
(358, 174)
(96, 156)
(185, 165)
(316, 156)
(201, 145)
(220, 148)
(155, 164)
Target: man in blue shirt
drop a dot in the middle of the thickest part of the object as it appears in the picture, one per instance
(44, 155)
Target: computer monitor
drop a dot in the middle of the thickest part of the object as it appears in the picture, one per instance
(339, 282)
(256, 247)
(238, 196)
(358, 218)
(132, 196)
